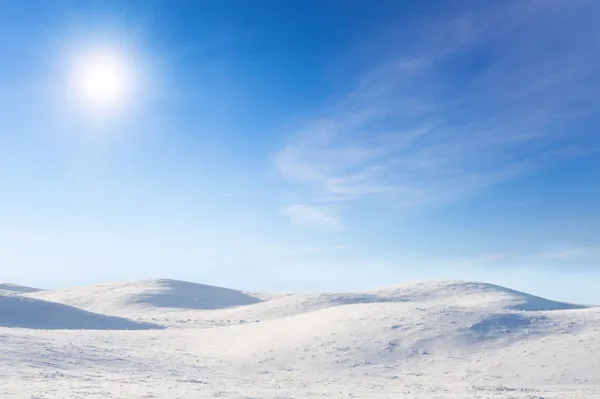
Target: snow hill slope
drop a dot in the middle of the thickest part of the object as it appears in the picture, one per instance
(163, 293)
(440, 339)
(475, 294)
(19, 289)
(172, 302)
(18, 311)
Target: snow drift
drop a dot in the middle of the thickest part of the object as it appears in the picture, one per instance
(162, 293)
(19, 289)
(19, 311)
(431, 339)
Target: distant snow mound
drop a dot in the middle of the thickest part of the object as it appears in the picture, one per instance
(21, 312)
(163, 293)
(19, 289)
(185, 295)
(469, 293)
(516, 300)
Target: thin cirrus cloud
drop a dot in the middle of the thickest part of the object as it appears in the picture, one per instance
(482, 98)
(301, 215)
(589, 253)
(578, 257)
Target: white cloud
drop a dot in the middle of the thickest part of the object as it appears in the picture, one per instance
(319, 250)
(428, 126)
(311, 217)
(572, 254)
(578, 257)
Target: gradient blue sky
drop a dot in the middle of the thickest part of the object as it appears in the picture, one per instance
(306, 145)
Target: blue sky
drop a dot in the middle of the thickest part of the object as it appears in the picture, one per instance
(308, 145)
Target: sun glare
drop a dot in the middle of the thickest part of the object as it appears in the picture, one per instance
(103, 80)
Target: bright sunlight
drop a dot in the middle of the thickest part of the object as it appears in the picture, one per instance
(103, 80)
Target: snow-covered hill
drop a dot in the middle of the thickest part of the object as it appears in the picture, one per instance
(439, 339)
(20, 289)
(175, 302)
(18, 311)
(163, 293)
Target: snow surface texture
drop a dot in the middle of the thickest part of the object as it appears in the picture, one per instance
(17, 311)
(440, 339)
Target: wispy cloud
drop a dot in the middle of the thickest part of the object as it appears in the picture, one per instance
(318, 250)
(481, 98)
(578, 257)
(312, 217)
(573, 254)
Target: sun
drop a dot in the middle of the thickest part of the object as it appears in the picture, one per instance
(103, 80)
